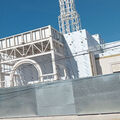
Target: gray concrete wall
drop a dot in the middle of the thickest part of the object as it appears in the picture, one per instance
(17, 102)
(93, 95)
(97, 95)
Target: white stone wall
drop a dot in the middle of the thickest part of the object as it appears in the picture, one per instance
(109, 58)
(78, 45)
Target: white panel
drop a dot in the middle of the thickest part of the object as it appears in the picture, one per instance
(47, 32)
(12, 42)
(34, 36)
(19, 39)
(43, 33)
(7, 81)
(40, 33)
(28, 37)
(4, 43)
(25, 38)
(78, 47)
(16, 40)
(116, 67)
(8, 42)
(2, 67)
(37, 35)
(0, 44)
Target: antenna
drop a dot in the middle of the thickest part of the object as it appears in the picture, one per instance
(69, 20)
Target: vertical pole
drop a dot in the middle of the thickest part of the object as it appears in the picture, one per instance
(53, 56)
(53, 62)
(65, 73)
(23, 42)
(1, 75)
(6, 42)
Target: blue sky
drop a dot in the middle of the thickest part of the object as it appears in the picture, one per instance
(97, 16)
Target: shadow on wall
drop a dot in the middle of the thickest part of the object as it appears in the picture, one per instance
(70, 62)
(98, 66)
(27, 73)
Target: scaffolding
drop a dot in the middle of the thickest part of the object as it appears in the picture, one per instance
(40, 48)
(69, 20)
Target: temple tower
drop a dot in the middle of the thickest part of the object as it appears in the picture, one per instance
(69, 20)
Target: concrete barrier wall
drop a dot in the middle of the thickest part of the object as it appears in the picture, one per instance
(97, 95)
(55, 99)
(93, 95)
(17, 102)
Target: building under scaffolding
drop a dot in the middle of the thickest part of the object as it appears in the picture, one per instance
(30, 57)
(44, 54)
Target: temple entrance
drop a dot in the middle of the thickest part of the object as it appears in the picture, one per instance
(26, 72)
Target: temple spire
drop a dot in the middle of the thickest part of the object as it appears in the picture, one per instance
(69, 20)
